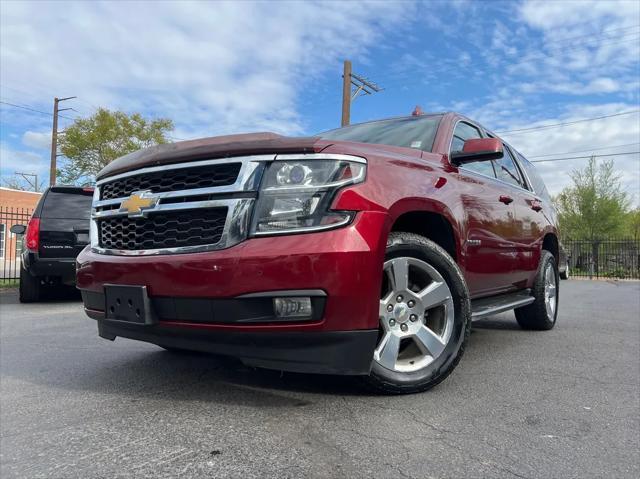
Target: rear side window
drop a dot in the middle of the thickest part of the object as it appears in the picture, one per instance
(67, 205)
(537, 184)
(462, 133)
(507, 171)
(483, 167)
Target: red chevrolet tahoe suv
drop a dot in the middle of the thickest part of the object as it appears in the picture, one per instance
(366, 250)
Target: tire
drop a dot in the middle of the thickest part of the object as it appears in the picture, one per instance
(541, 315)
(566, 273)
(30, 290)
(434, 304)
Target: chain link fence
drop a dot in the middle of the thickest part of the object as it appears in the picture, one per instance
(604, 258)
(11, 244)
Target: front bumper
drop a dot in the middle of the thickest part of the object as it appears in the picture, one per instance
(345, 264)
(332, 352)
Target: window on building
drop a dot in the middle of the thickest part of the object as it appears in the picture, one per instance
(2, 239)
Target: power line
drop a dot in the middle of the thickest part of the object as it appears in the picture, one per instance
(554, 125)
(589, 156)
(34, 110)
(63, 116)
(600, 33)
(582, 151)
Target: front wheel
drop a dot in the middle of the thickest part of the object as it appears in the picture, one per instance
(425, 316)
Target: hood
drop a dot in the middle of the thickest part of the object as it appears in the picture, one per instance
(214, 147)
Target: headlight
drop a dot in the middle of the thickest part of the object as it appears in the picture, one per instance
(295, 196)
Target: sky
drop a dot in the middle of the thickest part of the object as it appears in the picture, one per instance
(218, 68)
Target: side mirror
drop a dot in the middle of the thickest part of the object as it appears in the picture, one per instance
(18, 229)
(478, 149)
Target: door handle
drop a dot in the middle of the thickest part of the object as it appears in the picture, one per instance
(506, 199)
(536, 205)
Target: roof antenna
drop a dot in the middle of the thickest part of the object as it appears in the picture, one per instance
(417, 111)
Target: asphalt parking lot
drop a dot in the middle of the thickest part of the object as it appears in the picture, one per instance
(557, 404)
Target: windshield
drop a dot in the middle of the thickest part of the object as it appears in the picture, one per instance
(412, 132)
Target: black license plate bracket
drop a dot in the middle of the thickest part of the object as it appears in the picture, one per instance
(128, 303)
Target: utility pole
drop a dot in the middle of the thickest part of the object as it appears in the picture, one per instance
(362, 86)
(346, 93)
(54, 138)
(25, 175)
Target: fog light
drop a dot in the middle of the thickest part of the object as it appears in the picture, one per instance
(297, 307)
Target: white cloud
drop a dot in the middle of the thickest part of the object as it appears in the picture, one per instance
(597, 86)
(591, 136)
(35, 139)
(12, 160)
(585, 14)
(502, 40)
(592, 39)
(213, 67)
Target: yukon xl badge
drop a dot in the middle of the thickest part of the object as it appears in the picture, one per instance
(138, 203)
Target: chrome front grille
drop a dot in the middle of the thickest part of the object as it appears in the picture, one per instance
(181, 208)
(177, 179)
(173, 229)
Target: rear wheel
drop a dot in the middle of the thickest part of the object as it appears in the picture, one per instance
(542, 313)
(425, 316)
(30, 287)
(566, 273)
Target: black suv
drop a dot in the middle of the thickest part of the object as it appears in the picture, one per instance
(56, 233)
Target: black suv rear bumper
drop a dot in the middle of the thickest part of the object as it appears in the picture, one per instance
(63, 268)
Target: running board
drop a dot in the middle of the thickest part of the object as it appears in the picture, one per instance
(483, 307)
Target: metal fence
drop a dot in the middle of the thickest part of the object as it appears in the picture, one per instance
(604, 258)
(11, 244)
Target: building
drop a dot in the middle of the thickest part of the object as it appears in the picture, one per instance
(16, 207)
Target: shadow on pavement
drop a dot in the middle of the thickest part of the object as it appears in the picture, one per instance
(502, 322)
(170, 376)
(53, 294)
(136, 371)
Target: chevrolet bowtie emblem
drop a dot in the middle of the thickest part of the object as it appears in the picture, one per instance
(138, 202)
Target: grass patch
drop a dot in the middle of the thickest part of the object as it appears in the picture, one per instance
(9, 283)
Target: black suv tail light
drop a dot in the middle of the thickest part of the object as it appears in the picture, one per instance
(32, 237)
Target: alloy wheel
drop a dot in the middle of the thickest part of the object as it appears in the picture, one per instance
(416, 315)
(550, 291)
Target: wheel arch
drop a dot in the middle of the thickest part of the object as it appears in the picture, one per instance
(550, 243)
(433, 221)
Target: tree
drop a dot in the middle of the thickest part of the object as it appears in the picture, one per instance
(632, 226)
(92, 143)
(595, 206)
